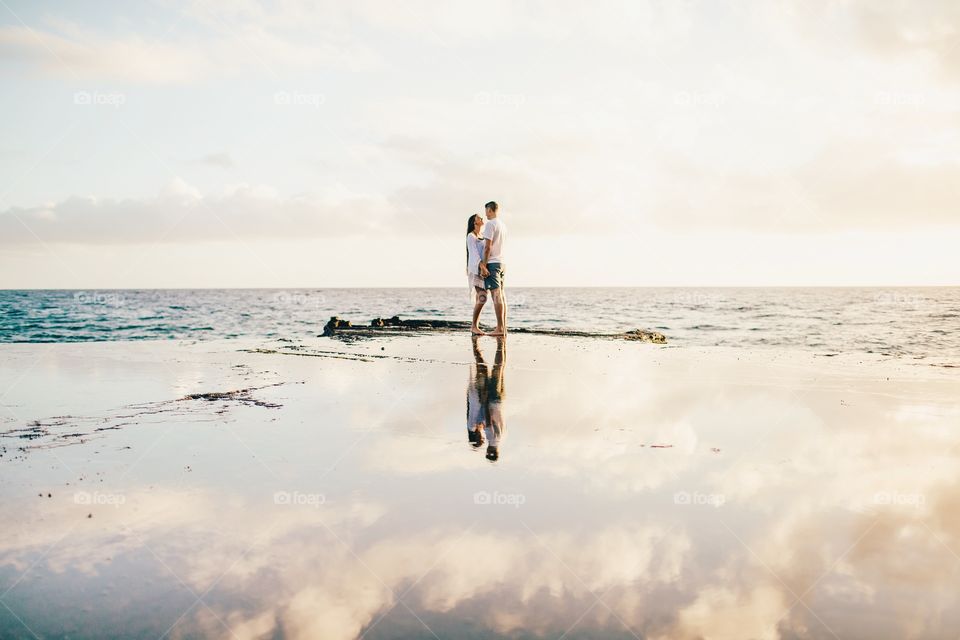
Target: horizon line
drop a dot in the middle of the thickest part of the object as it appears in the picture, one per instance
(752, 286)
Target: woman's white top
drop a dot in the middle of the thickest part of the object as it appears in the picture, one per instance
(476, 414)
(475, 247)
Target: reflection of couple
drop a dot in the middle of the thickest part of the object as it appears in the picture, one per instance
(485, 392)
(485, 266)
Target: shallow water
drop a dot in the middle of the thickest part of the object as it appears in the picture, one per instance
(920, 324)
(638, 491)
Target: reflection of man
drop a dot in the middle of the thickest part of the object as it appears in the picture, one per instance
(485, 400)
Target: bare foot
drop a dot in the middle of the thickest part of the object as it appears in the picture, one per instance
(477, 331)
(497, 333)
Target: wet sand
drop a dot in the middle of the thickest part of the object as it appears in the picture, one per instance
(249, 489)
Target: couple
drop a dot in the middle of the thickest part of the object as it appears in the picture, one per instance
(485, 266)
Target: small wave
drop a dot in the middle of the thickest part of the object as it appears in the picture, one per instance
(708, 327)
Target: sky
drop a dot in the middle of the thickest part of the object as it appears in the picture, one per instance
(239, 143)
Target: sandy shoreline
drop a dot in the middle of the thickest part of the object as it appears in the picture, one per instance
(320, 489)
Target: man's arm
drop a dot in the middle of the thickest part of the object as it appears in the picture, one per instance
(487, 243)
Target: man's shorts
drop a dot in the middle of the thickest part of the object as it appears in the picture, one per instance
(495, 279)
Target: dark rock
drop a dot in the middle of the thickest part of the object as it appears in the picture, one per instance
(645, 335)
(344, 330)
(334, 324)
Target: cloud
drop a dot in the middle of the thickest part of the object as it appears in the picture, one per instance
(897, 28)
(518, 583)
(181, 214)
(86, 55)
(222, 160)
(78, 53)
(852, 184)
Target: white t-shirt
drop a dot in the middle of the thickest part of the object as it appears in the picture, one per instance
(474, 253)
(494, 231)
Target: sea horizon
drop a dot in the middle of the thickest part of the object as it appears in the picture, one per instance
(453, 286)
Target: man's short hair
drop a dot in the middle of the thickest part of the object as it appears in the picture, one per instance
(493, 206)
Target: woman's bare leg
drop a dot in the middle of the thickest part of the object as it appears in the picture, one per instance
(477, 308)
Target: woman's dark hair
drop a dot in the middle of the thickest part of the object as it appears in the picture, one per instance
(470, 222)
(469, 231)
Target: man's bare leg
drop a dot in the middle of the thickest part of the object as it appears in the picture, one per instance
(501, 310)
(477, 308)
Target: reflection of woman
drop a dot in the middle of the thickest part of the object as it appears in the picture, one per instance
(485, 393)
(475, 268)
(476, 398)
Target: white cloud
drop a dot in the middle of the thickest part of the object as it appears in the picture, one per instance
(78, 53)
(180, 213)
(221, 159)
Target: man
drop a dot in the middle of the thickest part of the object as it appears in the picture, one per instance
(492, 265)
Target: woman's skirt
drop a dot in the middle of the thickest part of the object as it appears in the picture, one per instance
(474, 281)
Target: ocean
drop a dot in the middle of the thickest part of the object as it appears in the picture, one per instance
(914, 324)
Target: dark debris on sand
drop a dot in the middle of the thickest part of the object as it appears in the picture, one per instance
(243, 396)
(342, 329)
(65, 430)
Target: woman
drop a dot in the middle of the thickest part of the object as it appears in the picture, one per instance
(475, 275)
